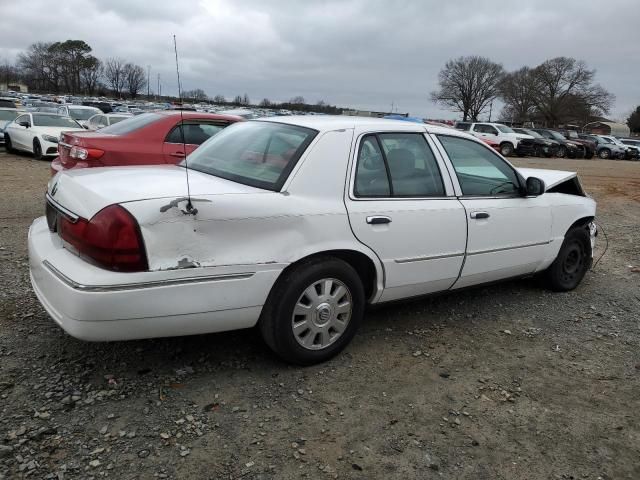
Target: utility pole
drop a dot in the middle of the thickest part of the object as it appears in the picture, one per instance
(491, 110)
(159, 91)
(148, 81)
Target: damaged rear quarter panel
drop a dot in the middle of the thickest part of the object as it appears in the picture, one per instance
(264, 228)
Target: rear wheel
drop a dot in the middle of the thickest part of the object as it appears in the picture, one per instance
(589, 154)
(37, 150)
(604, 153)
(572, 262)
(313, 311)
(506, 149)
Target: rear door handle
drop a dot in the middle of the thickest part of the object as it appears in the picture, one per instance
(378, 220)
(177, 154)
(479, 215)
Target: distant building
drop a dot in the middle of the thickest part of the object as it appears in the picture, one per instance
(14, 86)
(607, 128)
(367, 113)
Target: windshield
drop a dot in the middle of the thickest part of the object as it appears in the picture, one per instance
(504, 129)
(52, 120)
(114, 119)
(531, 132)
(83, 113)
(8, 115)
(260, 154)
(556, 135)
(131, 124)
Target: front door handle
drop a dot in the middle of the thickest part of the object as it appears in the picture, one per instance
(177, 154)
(378, 220)
(479, 215)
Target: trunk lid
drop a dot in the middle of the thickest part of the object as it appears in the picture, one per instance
(86, 191)
(80, 138)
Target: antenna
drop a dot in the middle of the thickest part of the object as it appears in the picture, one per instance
(190, 210)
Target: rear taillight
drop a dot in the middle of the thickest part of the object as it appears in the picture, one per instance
(81, 153)
(111, 239)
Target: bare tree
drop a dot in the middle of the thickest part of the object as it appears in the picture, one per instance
(134, 79)
(219, 99)
(265, 103)
(197, 95)
(245, 100)
(299, 100)
(237, 100)
(91, 74)
(115, 75)
(566, 89)
(468, 85)
(518, 92)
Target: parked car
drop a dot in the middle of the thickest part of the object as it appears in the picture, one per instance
(296, 225)
(102, 120)
(510, 141)
(7, 115)
(567, 148)
(38, 133)
(240, 112)
(492, 143)
(105, 107)
(607, 149)
(630, 152)
(542, 146)
(589, 144)
(147, 139)
(79, 113)
(9, 102)
(632, 142)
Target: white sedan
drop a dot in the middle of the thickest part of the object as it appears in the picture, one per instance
(38, 133)
(296, 225)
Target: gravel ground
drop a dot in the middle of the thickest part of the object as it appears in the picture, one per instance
(502, 382)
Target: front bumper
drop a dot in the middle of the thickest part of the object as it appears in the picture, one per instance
(93, 304)
(49, 149)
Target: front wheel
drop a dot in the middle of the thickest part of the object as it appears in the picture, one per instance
(37, 150)
(562, 152)
(604, 153)
(313, 311)
(506, 149)
(8, 146)
(573, 260)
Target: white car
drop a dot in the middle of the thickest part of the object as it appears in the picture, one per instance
(297, 224)
(510, 141)
(102, 120)
(38, 133)
(80, 113)
(7, 115)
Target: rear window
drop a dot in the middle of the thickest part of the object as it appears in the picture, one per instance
(131, 124)
(260, 154)
(83, 113)
(52, 120)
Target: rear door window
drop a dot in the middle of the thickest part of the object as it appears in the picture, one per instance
(194, 133)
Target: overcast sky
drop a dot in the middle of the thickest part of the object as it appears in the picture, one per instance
(356, 53)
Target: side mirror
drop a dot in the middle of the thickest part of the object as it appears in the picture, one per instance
(535, 187)
(25, 124)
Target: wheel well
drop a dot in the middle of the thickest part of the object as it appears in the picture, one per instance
(362, 264)
(582, 222)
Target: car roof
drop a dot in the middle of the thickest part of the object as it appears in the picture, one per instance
(338, 122)
(82, 107)
(192, 114)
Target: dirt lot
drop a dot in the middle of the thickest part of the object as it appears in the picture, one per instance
(504, 382)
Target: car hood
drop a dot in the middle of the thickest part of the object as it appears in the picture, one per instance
(551, 178)
(55, 131)
(86, 191)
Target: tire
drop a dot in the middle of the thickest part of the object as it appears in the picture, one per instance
(506, 149)
(573, 261)
(538, 152)
(37, 150)
(8, 146)
(304, 297)
(604, 153)
(589, 155)
(562, 151)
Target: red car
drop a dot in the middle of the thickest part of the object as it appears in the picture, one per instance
(147, 139)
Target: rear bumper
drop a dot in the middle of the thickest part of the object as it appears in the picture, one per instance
(93, 304)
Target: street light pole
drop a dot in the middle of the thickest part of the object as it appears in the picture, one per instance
(148, 81)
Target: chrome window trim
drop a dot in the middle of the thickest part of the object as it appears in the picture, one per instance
(140, 285)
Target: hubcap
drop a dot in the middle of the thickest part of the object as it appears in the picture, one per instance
(321, 314)
(573, 263)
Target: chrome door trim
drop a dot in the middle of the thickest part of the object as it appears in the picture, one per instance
(430, 257)
(493, 250)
